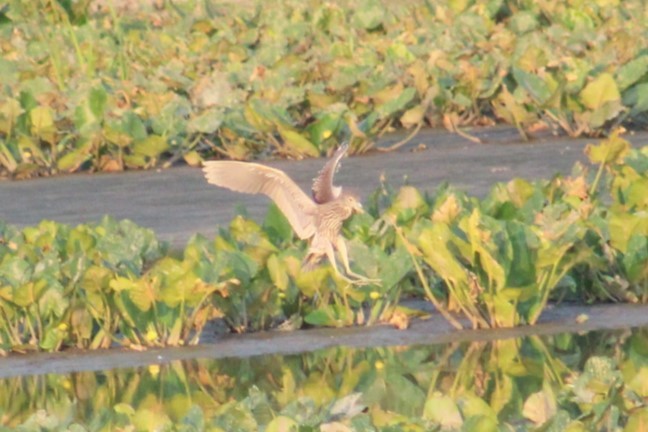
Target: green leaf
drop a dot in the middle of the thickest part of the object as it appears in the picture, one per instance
(507, 107)
(577, 19)
(523, 21)
(400, 393)
(637, 98)
(504, 312)
(484, 247)
(600, 116)
(434, 245)
(635, 259)
(309, 282)
(330, 316)
(29, 293)
(623, 226)
(480, 423)
(242, 266)
(394, 268)
(53, 302)
(533, 84)
(258, 118)
(153, 146)
(369, 14)
(399, 51)
(52, 338)
(276, 225)
(632, 72)
(208, 121)
(296, 143)
(473, 405)
(524, 243)
(325, 127)
(27, 100)
(601, 90)
(133, 126)
(399, 103)
(123, 408)
(443, 410)
(137, 161)
(97, 101)
(15, 270)
(72, 160)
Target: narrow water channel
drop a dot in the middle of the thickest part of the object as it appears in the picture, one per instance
(596, 380)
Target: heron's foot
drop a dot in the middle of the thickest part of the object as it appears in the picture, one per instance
(360, 280)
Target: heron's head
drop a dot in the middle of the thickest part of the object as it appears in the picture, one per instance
(352, 203)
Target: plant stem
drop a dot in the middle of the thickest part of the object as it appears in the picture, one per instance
(597, 179)
(442, 310)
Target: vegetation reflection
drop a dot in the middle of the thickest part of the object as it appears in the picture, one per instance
(595, 381)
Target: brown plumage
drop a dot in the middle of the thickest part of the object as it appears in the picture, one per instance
(319, 219)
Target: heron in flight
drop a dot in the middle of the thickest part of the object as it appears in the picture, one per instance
(318, 219)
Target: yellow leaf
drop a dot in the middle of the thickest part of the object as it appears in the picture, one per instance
(601, 90)
(443, 410)
(612, 150)
(193, 158)
(41, 118)
(42, 123)
(147, 419)
(282, 424)
(447, 211)
(9, 112)
(540, 407)
(388, 94)
(413, 116)
(278, 272)
(297, 144)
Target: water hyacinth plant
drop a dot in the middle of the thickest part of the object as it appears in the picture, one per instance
(114, 89)
(494, 262)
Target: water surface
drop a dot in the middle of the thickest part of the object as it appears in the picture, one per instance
(596, 380)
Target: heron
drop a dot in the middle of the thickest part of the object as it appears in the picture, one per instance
(318, 219)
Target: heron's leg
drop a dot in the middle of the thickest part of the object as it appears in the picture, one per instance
(344, 256)
(330, 254)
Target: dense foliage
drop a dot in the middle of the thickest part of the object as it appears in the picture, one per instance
(495, 261)
(115, 89)
(596, 381)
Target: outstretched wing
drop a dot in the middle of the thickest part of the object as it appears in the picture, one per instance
(253, 178)
(323, 190)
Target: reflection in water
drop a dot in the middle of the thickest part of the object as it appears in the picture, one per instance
(595, 381)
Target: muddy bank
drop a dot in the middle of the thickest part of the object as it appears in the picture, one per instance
(435, 330)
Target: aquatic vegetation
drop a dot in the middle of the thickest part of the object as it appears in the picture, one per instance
(132, 89)
(572, 382)
(496, 262)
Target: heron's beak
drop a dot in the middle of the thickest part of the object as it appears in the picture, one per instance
(358, 208)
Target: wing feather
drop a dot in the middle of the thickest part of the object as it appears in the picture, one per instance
(323, 190)
(252, 178)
